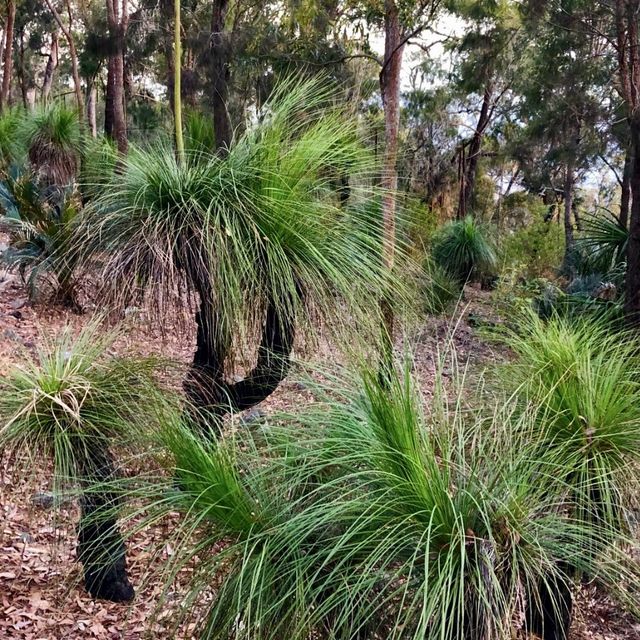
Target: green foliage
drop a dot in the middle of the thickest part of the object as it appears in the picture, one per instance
(438, 289)
(54, 142)
(583, 381)
(72, 396)
(10, 151)
(534, 250)
(261, 226)
(361, 517)
(200, 136)
(464, 250)
(99, 161)
(40, 222)
(602, 245)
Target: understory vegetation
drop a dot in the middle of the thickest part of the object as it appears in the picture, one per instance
(397, 309)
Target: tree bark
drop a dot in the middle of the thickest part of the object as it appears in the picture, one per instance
(101, 548)
(5, 90)
(52, 65)
(625, 197)
(569, 180)
(219, 70)
(390, 90)
(91, 109)
(470, 165)
(117, 20)
(632, 288)
(21, 73)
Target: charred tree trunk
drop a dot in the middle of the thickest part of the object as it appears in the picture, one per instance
(52, 65)
(101, 548)
(625, 185)
(108, 100)
(549, 609)
(7, 66)
(205, 385)
(390, 90)
(219, 70)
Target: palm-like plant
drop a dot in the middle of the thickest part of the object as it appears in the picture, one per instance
(464, 250)
(603, 243)
(362, 518)
(584, 379)
(259, 236)
(53, 139)
(75, 404)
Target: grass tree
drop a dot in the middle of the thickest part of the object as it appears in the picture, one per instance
(259, 235)
(75, 404)
(584, 379)
(463, 249)
(361, 517)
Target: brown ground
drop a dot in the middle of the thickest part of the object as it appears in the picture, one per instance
(41, 596)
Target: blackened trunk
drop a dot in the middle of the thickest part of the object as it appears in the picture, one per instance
(219, 70)
(101, 548)
(625, 197)
(205, 386)
(632, 289)
(549, 609)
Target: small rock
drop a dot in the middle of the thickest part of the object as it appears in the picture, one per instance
(19, 303)
(299, 386)
(11, 335)
(42, 499)
(252, 416)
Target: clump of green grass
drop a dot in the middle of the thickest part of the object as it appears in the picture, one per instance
(464, 250)
(583, 378)
(362, 517)
(438, 288)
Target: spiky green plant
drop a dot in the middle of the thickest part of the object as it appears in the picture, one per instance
(75, 404)
(258, 234)
(53, 139)
(603, 244)
(583, 378)
(10, 150)
(438, 288)
(363, 518)
(464, 250)
(41, 235)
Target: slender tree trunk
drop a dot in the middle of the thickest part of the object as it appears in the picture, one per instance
(101, 548)
(470, 164)
(73, 54)
(91, 109)
(52, 65)
(117, 19)
(21, 73)
(390, 89)
(166, 11)
(632, 288)
(625, 197)
(177, 66)
(108, 100)
(5, 90)
(219, 70)
(568, 220)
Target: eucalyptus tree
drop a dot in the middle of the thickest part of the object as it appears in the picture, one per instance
(562, 111)
(258, 237)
